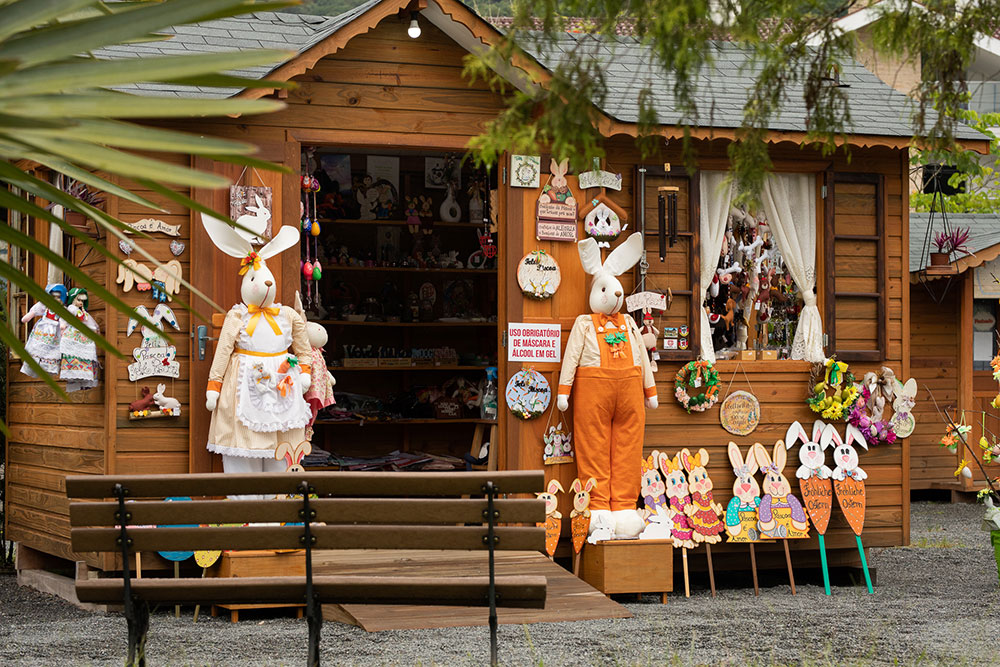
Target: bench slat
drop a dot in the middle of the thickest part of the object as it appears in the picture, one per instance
(353, 484)
(513, 591)
(466, 538)
(394, 511)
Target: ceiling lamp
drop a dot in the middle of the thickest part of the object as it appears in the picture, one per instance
(414, 30)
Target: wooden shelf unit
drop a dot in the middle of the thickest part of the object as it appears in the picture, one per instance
(399, 223)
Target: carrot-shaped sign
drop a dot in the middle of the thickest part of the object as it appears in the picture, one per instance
(579, 516)
(553, 518)
(814, 482)
(849, 484)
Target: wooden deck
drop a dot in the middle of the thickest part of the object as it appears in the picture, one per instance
(569, 598)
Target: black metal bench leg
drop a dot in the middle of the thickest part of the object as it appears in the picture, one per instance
(138, 625)
(314, 612)
(314, 617)
(491, 544)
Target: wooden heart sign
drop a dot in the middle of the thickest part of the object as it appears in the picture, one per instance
(817, 493)
(851, 497)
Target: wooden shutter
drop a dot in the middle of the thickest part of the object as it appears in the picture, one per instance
(681, 269)
(855, 252)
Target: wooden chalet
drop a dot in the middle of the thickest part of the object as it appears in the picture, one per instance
(365, 88)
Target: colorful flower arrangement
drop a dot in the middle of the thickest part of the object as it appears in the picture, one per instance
(694, 374)
(838, 380)
(876, 432)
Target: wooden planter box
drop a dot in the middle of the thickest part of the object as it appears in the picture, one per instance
(258, 564)
(629, 566)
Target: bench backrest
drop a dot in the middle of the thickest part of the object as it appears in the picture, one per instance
(353, 510)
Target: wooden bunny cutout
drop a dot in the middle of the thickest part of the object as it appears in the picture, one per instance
(553, 518)
(781, 513)
(741, 512)
(293, 455)
(703, 510)
(580, 516)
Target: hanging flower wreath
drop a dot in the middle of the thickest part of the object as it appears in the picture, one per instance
(836, 378)
(876, 431)
(697, 374)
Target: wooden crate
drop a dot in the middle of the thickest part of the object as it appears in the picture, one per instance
(262, 563)
(629, 566)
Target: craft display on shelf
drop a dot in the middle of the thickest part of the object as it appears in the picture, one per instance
(849, 484)
(528, 394)
(680, 503)
(580, 517)
(610, 384)
(558, 445)
(703, 511)
(695, 375)
(781, 513)
(250, 206)
(832, 390)
(78, 364)
(553, 518)
(150, 225)
(154, 356)
(156, 406)
(164, 280)
(43, 341)
(741, 512)
(814, 482)
(538, 275)
(740, 413)
(556, 210)
(657, 515)
(525, 171)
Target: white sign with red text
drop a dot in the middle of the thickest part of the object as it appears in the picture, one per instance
(534, 343)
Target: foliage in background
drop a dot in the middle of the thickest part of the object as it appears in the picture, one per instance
(334, 7)
(57, 111)
(978, 175)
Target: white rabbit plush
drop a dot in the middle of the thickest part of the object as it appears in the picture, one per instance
(844, 454)
(261, 366)
(608, 370)
(811, 453)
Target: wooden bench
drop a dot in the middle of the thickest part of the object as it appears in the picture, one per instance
(353, 510)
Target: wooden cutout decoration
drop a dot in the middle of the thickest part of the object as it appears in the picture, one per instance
(604, 220)
(580, 517)
(678, 498)
(177, 248)
(154, 357)
(558, 446)
(528, 394)
(525, 171)
(598, 178)
(178, 556)
(136, 274)
(538, 275)
(741, 512)
(703, 511)
(740, 413)
(640, 300)
(849, 485)
(657, 515)
(903, 421)
(153, 225)
(206, 558)
(553, 518)
(250, 206)
(781, 513)
(292, 455)
(814, 482)
(556, 209)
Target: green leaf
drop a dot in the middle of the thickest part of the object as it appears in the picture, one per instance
(21, 16)
(140, 137)
(121, 105)
(92, 179)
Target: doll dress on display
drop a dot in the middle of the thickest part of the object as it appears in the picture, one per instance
(78, 363)
(320, 394)
(43, 341)
(256, 372)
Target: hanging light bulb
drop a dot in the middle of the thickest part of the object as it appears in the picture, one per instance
(414, 30)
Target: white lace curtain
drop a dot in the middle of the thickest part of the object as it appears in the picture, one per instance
(790, 205)
(716, 197)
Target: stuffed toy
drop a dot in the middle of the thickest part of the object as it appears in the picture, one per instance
(78, 364)
(320, 394)
(43, 342)
(261, 367)
(607, 369)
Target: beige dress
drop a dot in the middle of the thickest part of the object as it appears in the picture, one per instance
(260, 402)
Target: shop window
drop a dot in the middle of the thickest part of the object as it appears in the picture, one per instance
(855, 252)
(984, 333)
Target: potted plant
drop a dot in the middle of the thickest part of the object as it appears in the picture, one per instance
(83, 193)
(948, 243)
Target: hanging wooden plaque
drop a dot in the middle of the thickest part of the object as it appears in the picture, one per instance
(740, 413)
(538, 275)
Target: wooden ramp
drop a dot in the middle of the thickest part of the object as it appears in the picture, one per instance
(568, 598)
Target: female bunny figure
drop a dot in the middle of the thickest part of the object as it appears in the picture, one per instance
(606, 360)
(579, 516)
(844, 454)
(557, 189)
(741, 512)
(320, 393)
(250, 419)
(811, 454)
(781, 513)
(658, 516)
(677, 493)
(78, 363)
(43, 341)
(553, 517)
(703, 510)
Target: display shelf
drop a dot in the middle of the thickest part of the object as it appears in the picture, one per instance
(403, 422)
(451, 367)
(348, 323)
(403, 269)
(398, 223)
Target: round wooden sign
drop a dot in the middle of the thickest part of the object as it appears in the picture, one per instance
(528, 394)
(740, 413)
(903, 427)
(538, 275)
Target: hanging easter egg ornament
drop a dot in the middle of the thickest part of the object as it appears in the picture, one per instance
(528, 394)
(538, 275)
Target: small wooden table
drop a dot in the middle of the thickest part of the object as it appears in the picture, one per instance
(629, 566)
(258, 563)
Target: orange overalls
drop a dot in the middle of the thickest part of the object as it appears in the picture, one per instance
(609, 418)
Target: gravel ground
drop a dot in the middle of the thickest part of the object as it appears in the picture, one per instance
(936, 602)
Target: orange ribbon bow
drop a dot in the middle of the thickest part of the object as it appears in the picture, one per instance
(285, 385)
(268, 313)
(251, 260)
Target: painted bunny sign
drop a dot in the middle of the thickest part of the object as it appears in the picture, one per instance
(557, 207)
(741, 512)
(781, 513)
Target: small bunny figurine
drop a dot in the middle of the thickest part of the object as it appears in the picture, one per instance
(580, 514)
(844, 454)
(741, 512)
(658, 516)
(703, 510)
(292, 455)
(677, 494)
(781, 513)
(250, 419)
(606, 365)
(553, 518)
(811, 453)
(165, 403)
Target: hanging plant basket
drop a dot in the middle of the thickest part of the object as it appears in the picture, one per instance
(940, 259)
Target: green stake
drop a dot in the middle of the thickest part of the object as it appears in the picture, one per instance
(826, 571)
(864, 564)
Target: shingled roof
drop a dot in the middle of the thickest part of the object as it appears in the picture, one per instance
(723, 87)
(984, 236)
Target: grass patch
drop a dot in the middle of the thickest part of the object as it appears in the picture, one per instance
(936, 543)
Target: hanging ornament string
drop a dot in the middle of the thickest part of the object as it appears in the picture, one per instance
(739, 368)
(740, 411)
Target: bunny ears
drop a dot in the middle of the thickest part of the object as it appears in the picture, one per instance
(797, 433)
(831, 437)
(620, 260)
(237, 242)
